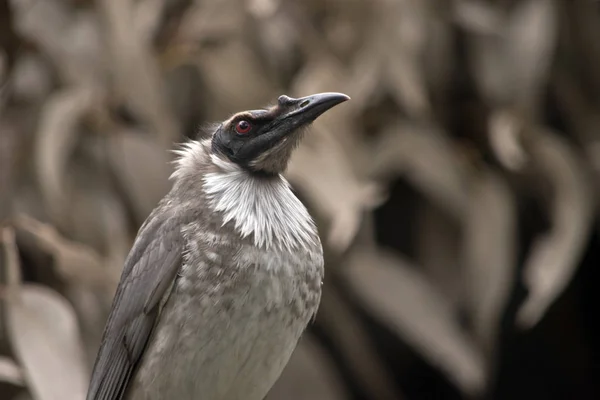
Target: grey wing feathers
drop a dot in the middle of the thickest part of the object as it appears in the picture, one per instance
(149, 271)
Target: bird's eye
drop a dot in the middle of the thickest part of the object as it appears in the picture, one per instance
(243, 127)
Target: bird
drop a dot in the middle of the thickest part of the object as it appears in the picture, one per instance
(225, 274)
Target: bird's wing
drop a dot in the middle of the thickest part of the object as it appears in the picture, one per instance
(148, 273)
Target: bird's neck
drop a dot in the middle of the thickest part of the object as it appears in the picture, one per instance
(258, 206)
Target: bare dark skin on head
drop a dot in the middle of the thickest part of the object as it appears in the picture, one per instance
(255, 139)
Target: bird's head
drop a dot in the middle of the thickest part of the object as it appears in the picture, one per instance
(262, 141)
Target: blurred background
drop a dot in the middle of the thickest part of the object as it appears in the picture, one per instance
(456, 194)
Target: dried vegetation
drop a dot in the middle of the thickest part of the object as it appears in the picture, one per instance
(464, 169)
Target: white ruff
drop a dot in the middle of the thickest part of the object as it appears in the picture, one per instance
(266, 208)
(190, 156)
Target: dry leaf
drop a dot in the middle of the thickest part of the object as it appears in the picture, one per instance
(490, 256)
(309, 375)
(554, 257)
(332, 155)
(44, 336)
(513, 66)
(31, 80)
(8, 145)
(581, 20)
(477, 16)
(319, 168)
(187, 95)
(147, 16)
(42, 331)
(438, 60)
(278, 35)
(86, 280)
(336, 317)
(407, 26)
(390, 61)
(206, 20)
(11, 269)
(136, 72)
(141, 167)
(23, 396)
(490, 67)
(73, 262)
(531, 37)
(505, 139)
(56, 139)
(10, 372)
(217, 29)
(324, 74)
(427, 159)
(71, 39)
(11, 378)
(98, 216)
(438, 243)
(232, 88)
(365, 76)
(403, 300)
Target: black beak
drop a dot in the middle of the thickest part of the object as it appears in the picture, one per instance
(297, 112)
(293, 114)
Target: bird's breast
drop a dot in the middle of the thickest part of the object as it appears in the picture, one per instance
(231, 322)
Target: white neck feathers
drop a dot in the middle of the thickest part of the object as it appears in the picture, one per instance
(263, 207)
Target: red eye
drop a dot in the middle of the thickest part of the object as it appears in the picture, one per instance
(243, 127)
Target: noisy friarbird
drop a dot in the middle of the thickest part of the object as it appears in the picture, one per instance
(226, 272)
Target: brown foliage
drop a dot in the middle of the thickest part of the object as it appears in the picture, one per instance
(467, 118)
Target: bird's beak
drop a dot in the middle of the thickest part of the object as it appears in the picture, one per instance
(294, 113)
(290, 115)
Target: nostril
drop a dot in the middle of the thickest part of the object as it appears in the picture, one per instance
(304, 103)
